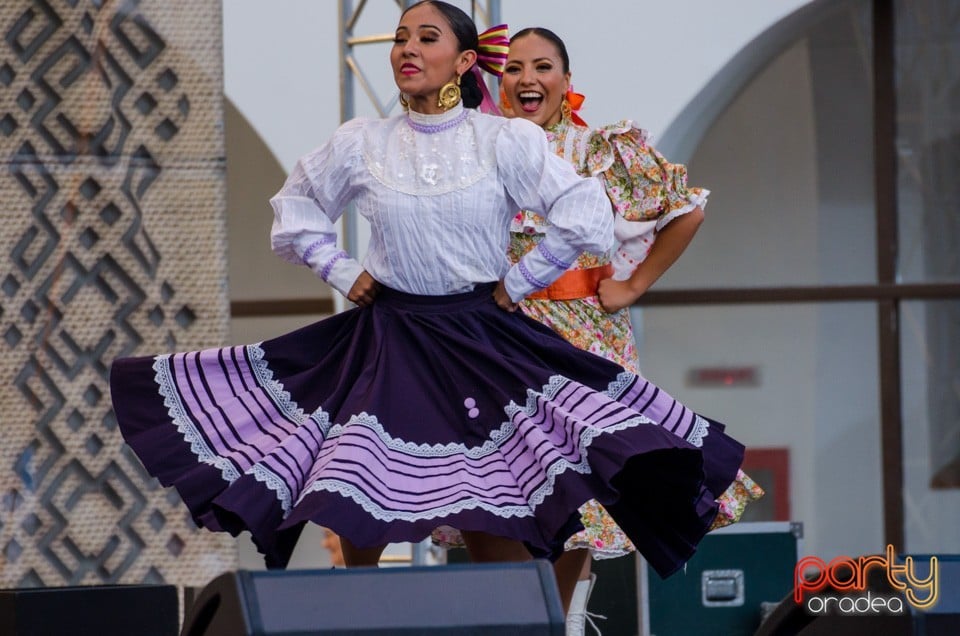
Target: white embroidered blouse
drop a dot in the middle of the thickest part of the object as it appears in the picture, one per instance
(439, 192)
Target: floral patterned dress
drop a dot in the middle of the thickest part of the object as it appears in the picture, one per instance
(647, 193)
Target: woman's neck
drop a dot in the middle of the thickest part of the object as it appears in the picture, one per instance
(553, 121)
(425, 105)
(553, 126)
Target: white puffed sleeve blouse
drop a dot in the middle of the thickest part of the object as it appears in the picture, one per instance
(439, 192)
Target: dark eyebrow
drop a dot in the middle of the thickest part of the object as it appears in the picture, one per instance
(535, 61)
(422, 26)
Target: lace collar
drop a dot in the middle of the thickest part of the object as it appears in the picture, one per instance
(448, 156)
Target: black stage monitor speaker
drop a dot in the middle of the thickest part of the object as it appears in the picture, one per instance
(509, 599)
(103, 610)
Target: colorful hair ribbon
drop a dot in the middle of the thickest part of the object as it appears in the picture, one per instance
(575, 101)
(494, 44)
(493, 48)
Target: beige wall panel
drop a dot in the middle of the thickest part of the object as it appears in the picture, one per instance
(112, 243)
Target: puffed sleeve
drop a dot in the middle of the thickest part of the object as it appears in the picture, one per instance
(314, 196)
(576, 207)
(641, 183)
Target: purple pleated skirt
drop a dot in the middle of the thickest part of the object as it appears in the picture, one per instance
(385, 422)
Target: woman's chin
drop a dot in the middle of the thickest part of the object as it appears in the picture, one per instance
(538, 117)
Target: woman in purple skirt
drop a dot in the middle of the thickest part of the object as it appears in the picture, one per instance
(433, 402)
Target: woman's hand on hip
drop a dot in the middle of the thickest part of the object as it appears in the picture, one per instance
(364, 290)
(503, 299)
(616, 294)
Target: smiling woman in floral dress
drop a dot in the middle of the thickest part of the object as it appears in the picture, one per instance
(656, 216)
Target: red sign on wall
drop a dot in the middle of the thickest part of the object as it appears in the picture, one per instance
(723, 376)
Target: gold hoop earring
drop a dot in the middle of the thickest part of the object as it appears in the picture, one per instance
(565, 110)
(404, 104)
(449, 94)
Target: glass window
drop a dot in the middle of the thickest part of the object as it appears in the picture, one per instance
(930, 345)
(928, 140)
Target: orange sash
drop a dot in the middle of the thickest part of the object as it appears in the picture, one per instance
(574, 284)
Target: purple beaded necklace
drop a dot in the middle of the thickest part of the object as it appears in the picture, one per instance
(435, 128)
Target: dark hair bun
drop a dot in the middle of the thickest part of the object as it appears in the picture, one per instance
(470, 90)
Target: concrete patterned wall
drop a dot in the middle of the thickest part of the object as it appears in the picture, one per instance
(112, 242)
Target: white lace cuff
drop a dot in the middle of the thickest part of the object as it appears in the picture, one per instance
(333, 265)
(539, 267)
